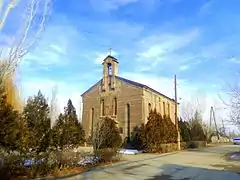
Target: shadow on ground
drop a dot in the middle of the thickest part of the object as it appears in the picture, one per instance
(165, 177)
(223, 150)
(174, 171)
(234, 166)
(155, 167)
(147, 171)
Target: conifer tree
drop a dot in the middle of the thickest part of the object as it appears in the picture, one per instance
(159, 130)
(184, 130)
(153, 132)
(197, 133)
(8, 116)
(36, 113)
(74, 129)
(58, 133)
(68, 130)
(13, 131)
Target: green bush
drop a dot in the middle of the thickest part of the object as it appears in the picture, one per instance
(106, 135)
(109, 154)
(196, 144)
(197, 133)
(137, 139)
(14, 168)
(184, 130)
(158, 130)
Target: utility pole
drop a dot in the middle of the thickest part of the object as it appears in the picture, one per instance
(224, 131)
(212, 115)
(176, 112)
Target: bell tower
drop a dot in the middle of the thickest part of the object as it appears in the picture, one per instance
(110, 71)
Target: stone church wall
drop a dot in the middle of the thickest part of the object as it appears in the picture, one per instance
(125, 94)
(153, 101)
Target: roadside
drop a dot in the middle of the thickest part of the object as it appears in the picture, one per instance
(200, 164)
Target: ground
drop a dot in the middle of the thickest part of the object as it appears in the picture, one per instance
(200, 164)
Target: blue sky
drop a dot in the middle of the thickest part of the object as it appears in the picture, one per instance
(152, 39)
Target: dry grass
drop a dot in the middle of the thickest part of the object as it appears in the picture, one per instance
(79, 170)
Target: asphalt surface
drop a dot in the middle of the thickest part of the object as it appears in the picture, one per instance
(201, 164)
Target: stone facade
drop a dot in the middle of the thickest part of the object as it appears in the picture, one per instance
(125, 101)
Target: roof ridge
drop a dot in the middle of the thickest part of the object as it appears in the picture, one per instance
(144, 86)
(133, 83)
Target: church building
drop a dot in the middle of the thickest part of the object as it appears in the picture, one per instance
(127, 102)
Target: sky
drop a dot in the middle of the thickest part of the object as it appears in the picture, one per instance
(152, 40)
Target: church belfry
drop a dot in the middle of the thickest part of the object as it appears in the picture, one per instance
(110, 70)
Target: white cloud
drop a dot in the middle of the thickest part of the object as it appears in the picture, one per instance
(43, 57)
(106, 5)
(158, 48)
(101, 56)
(205, 9)
(65, 90)
(184, 67)
(58, 49)
(52, 49)
(188, 92)
(162, 84)
(235, 60)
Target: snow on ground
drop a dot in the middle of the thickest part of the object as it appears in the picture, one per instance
(130, 151)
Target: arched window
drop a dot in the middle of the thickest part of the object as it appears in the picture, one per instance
(149, 107)
(92, 120)
(168, 109)
(102, 107)
(159, 104)
(128, 121)
(115, 106)
(109, 69)
(120, 130)
(164, 109)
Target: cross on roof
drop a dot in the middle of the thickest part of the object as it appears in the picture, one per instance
(110, 51)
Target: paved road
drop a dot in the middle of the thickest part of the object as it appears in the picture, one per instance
(202, 164)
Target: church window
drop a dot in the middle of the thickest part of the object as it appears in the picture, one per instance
(164, 109)
(109, 69)
(120, 130)
(128, 121)
(168, 109)
(159, 102)
(92, 120)
(149, 107)
(102, 107)
(115, 106)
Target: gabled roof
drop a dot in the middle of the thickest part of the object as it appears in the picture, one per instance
(91, 87)
(109, 56)
(132, 83)
(143, 86)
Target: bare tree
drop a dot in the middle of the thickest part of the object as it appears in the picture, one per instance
(99, 134)
(105, 135)
(194, 110)
(53, 105)
(189, 108)
(232, 103)
(32, 16)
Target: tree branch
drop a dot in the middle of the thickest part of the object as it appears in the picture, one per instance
(27, 35)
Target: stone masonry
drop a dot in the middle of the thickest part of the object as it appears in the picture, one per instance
(125, 101)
